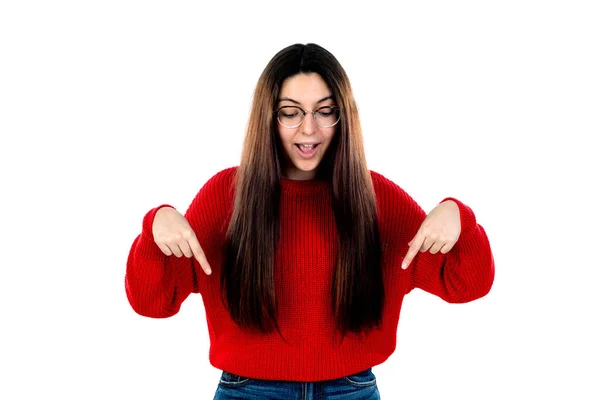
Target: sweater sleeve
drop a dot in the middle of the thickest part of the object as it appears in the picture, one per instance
(463, 274)
(156, 284)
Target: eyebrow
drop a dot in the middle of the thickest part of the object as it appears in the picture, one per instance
(297, 102)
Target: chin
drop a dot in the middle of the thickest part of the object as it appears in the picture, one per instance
(306, 167)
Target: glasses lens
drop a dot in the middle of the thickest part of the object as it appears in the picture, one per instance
(290, 116)
(327, 116)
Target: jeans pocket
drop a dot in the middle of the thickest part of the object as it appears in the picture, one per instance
(232, 380)
(362, 379)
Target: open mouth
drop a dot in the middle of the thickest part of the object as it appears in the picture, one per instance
(307, 150)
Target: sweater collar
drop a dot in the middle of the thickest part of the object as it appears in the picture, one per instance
(312, 186)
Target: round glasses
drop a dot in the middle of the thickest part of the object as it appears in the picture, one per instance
(292, 116)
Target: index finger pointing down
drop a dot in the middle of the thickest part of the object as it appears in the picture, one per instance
(199, 256)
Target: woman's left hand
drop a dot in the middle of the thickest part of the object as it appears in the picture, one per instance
(439, 232)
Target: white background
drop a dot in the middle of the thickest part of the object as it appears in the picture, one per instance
(110, 108)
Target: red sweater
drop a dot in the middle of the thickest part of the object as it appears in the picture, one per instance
(156, 284)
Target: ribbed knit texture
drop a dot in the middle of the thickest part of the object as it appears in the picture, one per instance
(156, 284)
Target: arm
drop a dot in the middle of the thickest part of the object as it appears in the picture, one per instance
(463, 274)
(157, 284)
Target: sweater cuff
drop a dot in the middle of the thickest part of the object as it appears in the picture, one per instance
(467, 218)
(149, 249)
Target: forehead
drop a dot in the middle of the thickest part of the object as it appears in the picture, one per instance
(305, 88)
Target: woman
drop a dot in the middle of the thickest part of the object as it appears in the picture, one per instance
(301, 254)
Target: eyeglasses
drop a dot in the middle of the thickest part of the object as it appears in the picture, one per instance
(292, 116)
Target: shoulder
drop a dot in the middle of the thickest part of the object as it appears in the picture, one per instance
(222, 180)
(215, 196)
(392, 200)
(384, 186)
(218, 189)
(227, 175)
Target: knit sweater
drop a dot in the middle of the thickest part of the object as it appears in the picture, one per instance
(156, 284)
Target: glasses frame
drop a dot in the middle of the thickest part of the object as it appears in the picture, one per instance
(314, 115)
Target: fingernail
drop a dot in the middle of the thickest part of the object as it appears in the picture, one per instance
(403, 265)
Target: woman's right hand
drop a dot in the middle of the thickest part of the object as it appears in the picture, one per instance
(174, 236)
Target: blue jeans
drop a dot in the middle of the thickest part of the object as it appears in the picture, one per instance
(359, 386)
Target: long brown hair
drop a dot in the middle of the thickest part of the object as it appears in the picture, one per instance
(247, 278)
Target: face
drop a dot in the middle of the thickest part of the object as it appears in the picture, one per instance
(311, 93)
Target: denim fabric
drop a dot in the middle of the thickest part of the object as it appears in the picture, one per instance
(359, 386)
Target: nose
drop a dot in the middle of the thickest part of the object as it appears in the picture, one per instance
(308, 126)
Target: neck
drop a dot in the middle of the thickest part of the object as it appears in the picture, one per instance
(299, 175)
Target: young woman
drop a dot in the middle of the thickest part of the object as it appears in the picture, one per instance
(303, 255)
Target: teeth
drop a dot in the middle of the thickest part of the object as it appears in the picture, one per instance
(307, 146)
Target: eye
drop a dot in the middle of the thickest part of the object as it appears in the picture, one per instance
(289, 112)
(326, 111)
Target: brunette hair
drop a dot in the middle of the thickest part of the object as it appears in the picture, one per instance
(247, 278)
